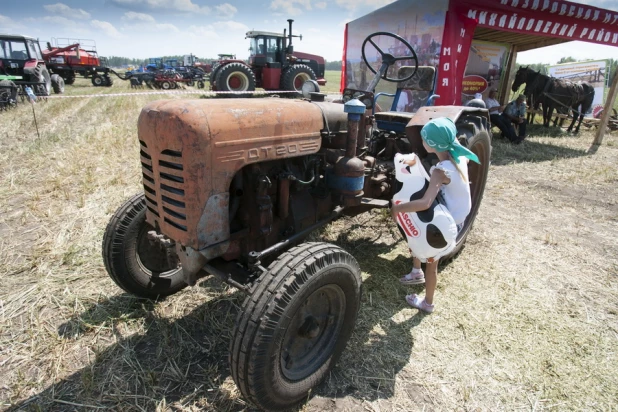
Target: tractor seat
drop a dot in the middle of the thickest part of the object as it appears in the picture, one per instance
(393, 121)
(418, 91)
(19, 55)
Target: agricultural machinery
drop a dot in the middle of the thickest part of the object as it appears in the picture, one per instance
(68, 57)
(273, 65)
(232, 188)
(168, 74)
(21, 65)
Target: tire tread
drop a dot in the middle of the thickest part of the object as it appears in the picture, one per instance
(275, 289)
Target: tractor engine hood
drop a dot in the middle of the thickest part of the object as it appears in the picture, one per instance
(191, 150)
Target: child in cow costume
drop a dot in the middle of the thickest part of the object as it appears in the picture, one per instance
(429, 225)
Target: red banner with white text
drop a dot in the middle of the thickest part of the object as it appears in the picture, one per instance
(543, 18)
(458, 33)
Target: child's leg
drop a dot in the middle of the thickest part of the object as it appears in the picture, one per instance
(415, 277)
(431, 280)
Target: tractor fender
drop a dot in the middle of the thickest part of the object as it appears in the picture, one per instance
(426, 113)
(30, 66)
(191, 150)
(233, 61)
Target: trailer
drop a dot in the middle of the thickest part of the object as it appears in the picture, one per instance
(70, 57)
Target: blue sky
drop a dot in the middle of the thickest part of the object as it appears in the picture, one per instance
(150, 28)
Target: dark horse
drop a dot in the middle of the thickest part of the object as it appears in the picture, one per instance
(555, 93)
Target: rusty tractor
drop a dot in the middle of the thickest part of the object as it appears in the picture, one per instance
(232, 188)
(273, 65)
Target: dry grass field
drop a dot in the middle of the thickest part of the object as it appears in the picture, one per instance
(526, 318)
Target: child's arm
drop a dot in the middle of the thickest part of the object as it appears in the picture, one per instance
(438, 178)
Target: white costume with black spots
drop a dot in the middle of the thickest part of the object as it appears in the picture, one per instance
(430, 233)
(456, 194)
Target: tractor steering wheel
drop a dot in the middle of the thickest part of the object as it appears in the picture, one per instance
(387, 58)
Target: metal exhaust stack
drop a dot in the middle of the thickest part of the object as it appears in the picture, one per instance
(290, 21)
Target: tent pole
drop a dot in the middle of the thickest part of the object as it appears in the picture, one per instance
(607, 110)
(508, 76)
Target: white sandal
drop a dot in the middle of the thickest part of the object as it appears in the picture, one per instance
(416, 302)
(413, 278)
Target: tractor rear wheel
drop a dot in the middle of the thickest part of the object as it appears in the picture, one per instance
(235, 77)
(295, 76)
(57, 83)
(295, 324)
(136, 265)
(97, 80)
(108, 81)
(474, 133)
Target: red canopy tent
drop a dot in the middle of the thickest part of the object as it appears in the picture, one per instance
(523, 24)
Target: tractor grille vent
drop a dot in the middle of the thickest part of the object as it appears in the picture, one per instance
(170, 186)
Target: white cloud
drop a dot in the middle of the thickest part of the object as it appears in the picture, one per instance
(290, 7)
(59, 21)
(145, 22)
(226, 10)
(229, 25)
(107, 28)
(167, 27)
(65, 11)
(354, 4)
(203, 32)
(9, 24)
(139, 17)
(345, 21)
(321, 5)
(186, 6)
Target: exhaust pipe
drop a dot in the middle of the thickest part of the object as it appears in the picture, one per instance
(290, 21)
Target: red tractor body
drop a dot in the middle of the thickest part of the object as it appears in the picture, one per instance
(22, 65)
(71, 56)
(273, 65)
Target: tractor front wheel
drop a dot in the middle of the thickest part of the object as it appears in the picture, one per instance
(57, 83)
(132, 261)
(200, 84)
(295, 324)
(295, 76)
(213, 76)
(97, 80)
(165, 85)
(235, 77)
(474, 133)
(41, 75)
